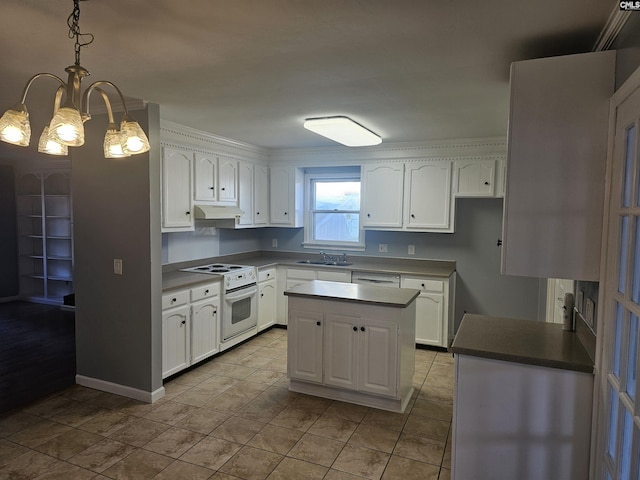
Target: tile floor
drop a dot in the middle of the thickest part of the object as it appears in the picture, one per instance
(233, 418)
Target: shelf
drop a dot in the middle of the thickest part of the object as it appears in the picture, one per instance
(56, 257)
(59, 278)
(55, 237)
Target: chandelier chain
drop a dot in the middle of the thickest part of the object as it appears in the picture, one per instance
(82, 39)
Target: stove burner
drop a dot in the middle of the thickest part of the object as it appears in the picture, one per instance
(233, 267)
(218, 270)
(201, 268)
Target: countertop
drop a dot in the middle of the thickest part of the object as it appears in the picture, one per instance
(172, 278)
(521, 341)
(349, 292)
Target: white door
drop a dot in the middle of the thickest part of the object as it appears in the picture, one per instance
(175, 341)
(227, 180)
(176, 188)
(204, 329)
(428, 196)
(245, 194)
(429, 319)
(618, 426)
(557, 288)
(304, 348)
(261, 197)
(205, 177)
(266, 304)
(382, 186)
(340, 351)
(378, 357)
(280, 193)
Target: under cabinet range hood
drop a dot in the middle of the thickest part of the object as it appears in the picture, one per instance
(216, 212)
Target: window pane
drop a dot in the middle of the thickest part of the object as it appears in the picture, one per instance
(337, 196)
(632, 355)
(625, 446)
(628, 167)
(624, 242)
(617, 350)
(613, 423)
(339, 227)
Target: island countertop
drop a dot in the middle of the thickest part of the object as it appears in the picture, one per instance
(521, 341)
(350, 292)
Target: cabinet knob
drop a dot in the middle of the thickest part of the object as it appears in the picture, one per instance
(355, 329)
(422, 285)
(174, 300)
(486, 183)
(368, 215)
(285, 213)
(222, 189)
(257, 213)
(206, 291)
(187, 213)
(183, 322)
(261, 295)
(215, 312)
(413, 216)
(212, 188)
(318, 323)
(362, 329)
(268, 275)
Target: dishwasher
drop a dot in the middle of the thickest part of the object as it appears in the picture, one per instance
(379, 279)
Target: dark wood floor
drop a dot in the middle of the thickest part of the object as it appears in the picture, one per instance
(37, 352)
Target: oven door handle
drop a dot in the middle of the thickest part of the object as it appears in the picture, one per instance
(241, 293)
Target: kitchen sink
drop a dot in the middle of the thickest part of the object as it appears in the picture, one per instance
(323, 262)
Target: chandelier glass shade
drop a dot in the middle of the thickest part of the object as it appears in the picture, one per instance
(66, 128)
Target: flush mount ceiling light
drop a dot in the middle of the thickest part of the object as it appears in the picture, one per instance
(343, 130)
(66, 127)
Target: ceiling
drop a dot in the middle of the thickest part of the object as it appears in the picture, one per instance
(253, 70)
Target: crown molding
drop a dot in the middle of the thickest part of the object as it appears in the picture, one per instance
(612, 28)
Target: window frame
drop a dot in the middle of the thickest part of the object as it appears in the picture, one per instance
(309, 189)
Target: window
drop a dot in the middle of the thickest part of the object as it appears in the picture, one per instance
(333, 210)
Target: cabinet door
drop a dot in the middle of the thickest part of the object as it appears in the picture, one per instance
(428, 196)
(261, 197)
(176, 189)
(340, 351)
(245, 194)
(227, 180)
(266, 304)
(382, 186)
(429, 319)
(204, 329)
(378, 357)
(281, 185)
(175, 340)
(474, 179)
(206, 175)
(304, 348)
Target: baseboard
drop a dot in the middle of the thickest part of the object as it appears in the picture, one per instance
(123, 390)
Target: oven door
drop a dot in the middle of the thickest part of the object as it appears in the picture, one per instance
(239, 312)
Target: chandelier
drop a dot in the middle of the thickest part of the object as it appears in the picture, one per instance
(66, 127)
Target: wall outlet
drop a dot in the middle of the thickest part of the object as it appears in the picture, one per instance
(117, 266)
(383, 247)
(411, 250)
(274, 242)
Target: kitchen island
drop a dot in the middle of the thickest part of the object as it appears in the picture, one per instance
(354, 343)
(522, 401)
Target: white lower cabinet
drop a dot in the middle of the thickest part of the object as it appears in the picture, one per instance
(267, 290)
(304, 345)
(189, 327)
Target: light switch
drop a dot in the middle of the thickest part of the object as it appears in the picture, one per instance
(383, 247)
(411, 250)
(117, 266)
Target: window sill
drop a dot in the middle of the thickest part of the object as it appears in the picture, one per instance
(350, 247)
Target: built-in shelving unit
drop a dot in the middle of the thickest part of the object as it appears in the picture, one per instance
(45, 239)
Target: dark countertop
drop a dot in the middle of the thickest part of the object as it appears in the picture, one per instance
(172, 278)
(522, 341)
(349, 292)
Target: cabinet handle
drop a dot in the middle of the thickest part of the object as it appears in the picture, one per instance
(355, 329)
(318, 323)
(362, 329)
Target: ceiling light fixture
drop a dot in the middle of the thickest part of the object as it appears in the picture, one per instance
(343, 130)
(66, 127)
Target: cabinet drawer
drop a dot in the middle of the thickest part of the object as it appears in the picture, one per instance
(422, 284)
(206, 291)
(301, 273)
(266, 274)
(175, 299)
(333, 276)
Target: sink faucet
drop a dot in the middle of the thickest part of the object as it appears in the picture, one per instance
(324, 257)
(344, 258)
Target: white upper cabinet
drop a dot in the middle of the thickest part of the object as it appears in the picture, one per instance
(286, 196)
(261, 194)
(177, 203)
(427, 201)
(215, 179)
(382, 192)
(474, 178)
(557, 149)
(245, 194)
(206, 177)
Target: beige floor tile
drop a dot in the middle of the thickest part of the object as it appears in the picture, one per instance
(29, 464)
(80, 393)
(226, 402)
(296, 418)
(384, 419)
(334, 428)
(140, 465)
(338, 475)
(420, 448)
(69, 444)
(211, 452)
(427, 427)
(246, 389)
(275, 439)
(438, 411)
(266, 376)
(375, 438)
(406, 469)
(139, 432)
(173, 442)
(255, 360)
(14, 422)
(445, 474)
(38, 433)
(203, 421)
(282, 396)
(312, 404)
(238, 371)
(261, 410)
(102, 455)
(217, 384)
(173, 389)
(191, 378)
(66, 471)
(237, 429)
(361, 461)
(444, 358)
(170, 413)
(78, 414)
(50, 406)
(346, 411)
(251, 464)
(9, 451)
(107, 422)
(436, 394)
(107, 400)
(180, 470)
(291, 468)
(315, 449)
(195, 397)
